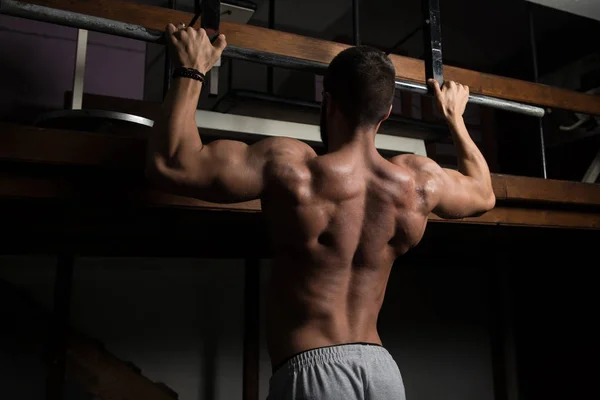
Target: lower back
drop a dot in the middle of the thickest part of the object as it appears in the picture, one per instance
(310, 308)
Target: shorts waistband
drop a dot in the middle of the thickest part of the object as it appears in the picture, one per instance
(326, 353)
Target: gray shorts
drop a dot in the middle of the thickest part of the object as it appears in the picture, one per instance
(344, 372)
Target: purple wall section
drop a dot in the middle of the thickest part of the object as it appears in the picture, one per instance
(37, 61)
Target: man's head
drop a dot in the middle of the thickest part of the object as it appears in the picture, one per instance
(358, 87)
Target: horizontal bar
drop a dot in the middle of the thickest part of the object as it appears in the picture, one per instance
(288, 44)
(76, 20)
(478, 99)
(81, 21)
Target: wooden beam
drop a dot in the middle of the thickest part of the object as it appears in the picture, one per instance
(111, 191)
(288, 44)
(542, 218)
(520, 188)
(99, 189)
(31, 144)
(71, 148)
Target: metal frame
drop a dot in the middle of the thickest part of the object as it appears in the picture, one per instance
(168, 72)
(432, 40)
(534, 62)
(593, 171)
(211, 9)
(82, 21)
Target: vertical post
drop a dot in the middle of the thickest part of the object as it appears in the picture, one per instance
(59, 328)
(355, 23)
(534, 60)
(270, 76)
(432, 40)
(79, 73)
(168, 64)
(251, 329)
(211, 20)
(213, 85)
(505, 364)
(230, 75)
(507, 332)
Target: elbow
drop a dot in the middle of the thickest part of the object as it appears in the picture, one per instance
(157, 174)
(151, 172)
(485, 204)
(489, 202)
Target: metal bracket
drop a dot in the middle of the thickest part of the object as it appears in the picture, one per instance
(432, 39)
(211, 17)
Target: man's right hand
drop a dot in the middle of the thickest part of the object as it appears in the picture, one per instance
(193, 49)
(451, 99)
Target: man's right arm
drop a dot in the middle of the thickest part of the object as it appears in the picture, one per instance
(447, 192)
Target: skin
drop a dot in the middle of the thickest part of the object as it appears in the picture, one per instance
(337, 222)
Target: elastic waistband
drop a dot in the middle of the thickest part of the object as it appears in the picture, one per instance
(327, 353)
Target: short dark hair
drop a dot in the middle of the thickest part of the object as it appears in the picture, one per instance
(361, 82)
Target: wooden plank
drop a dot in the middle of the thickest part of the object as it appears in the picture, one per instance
(115, 193)
(542, 218)
(288, 44)
(30, 144)
(123, 194)
(520, 188)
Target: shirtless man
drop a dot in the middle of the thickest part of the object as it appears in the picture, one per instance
(337, 222)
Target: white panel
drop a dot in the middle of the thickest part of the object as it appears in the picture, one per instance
(584, 8)
(79, 74)
(270, 127)
(231, 13)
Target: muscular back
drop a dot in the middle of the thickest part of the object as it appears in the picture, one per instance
(337, 223)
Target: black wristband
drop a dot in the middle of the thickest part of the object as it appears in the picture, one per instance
(183, 72)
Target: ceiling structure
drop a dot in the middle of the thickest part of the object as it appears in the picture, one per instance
(583, 8)
(476, 34)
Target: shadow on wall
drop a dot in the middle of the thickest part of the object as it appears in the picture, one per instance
(179, 321)
(434, 322)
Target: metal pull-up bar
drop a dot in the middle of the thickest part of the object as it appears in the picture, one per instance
(76, 20)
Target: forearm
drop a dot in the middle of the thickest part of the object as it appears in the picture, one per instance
(471, 162)
(175, 133)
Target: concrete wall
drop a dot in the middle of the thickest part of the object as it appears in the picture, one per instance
(38, 63)
(181, 322)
